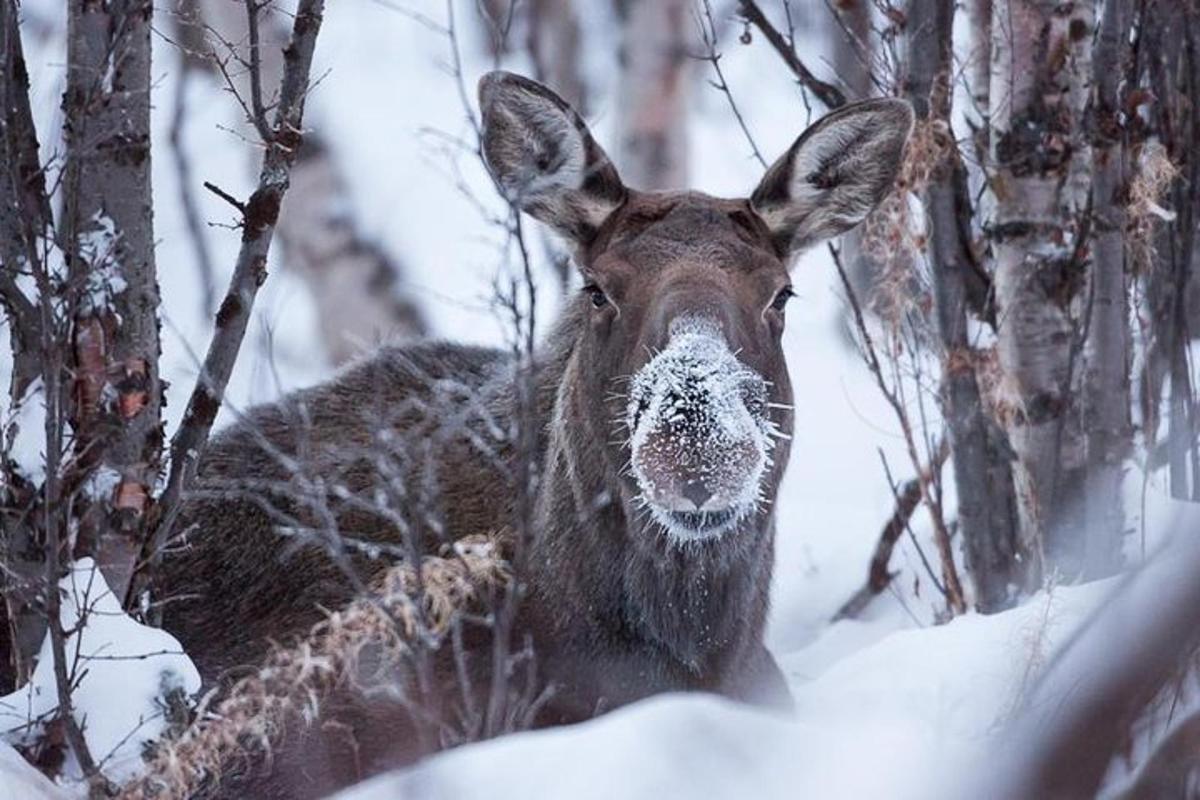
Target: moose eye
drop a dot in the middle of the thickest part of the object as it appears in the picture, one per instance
(596, 294)
(781, 299)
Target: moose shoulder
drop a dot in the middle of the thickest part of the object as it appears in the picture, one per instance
(662, 407)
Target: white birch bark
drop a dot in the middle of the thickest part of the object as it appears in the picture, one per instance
(1040, 66)
(109, 236)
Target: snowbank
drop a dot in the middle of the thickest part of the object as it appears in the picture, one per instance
(19, 780)
(121, 670)
(899, 719)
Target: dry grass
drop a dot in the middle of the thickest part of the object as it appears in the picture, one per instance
(1148, 187)
(893, 236)
(293, 680)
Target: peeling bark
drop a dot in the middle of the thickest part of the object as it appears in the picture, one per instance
(109, 236)
(1040, 66)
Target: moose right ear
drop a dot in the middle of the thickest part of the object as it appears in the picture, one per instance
(544, 158)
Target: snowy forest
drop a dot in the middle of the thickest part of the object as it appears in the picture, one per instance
(599, 398)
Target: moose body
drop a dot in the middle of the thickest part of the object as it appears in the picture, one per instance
(658, 416)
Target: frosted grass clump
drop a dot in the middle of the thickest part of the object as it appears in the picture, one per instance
(696, 412)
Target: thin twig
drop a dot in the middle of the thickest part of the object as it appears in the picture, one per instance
(907, 500)
(258, 225)
(953, 586)
(708, 34)
(827, 93)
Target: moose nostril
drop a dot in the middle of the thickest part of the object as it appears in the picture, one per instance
(697, 492)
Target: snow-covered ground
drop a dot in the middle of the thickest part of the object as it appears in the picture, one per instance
(121, 672)
(884, 703)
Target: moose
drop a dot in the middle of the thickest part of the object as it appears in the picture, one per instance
(661, 409)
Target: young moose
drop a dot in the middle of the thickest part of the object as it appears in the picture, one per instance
(662, 408)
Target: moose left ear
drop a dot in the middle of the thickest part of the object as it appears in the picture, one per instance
(544, 158)
(834, 174)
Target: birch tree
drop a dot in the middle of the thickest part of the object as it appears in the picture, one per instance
(108, 235)
(653, 89)
(1040, 66)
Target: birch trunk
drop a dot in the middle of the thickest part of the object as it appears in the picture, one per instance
(109, 238)
(849, 24)
(1040, 62)
(982, 470)
(1106, 375)
(555, 42)
(654, 82)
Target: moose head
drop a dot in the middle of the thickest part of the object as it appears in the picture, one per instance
(685, 294)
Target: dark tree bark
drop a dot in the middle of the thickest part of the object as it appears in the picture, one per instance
(1171, 54)
(982, 469)
(1106, 397)
(25, 219)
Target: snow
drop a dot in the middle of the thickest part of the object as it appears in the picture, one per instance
(900, 719)
(121, 671)
(98, 247)
(19, 780)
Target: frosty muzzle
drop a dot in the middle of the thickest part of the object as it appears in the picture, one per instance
(700, 433)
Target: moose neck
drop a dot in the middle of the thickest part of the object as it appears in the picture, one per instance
(606, 575)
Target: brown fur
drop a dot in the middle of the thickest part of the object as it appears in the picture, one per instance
(616, 611)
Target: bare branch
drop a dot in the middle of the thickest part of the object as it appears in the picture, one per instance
(907, 500)
(827, 93)
(260, 215)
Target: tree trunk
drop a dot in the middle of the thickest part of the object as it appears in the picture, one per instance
(555, 43)
(982, 471)
(653, 140)
(1040, 62)
(25, 219)
(1106, 394)
(109, 237)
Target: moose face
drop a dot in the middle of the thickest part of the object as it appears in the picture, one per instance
(684, 295)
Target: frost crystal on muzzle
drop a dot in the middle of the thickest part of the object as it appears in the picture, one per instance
(695, 410)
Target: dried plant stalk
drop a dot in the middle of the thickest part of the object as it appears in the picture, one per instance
(293, 680)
